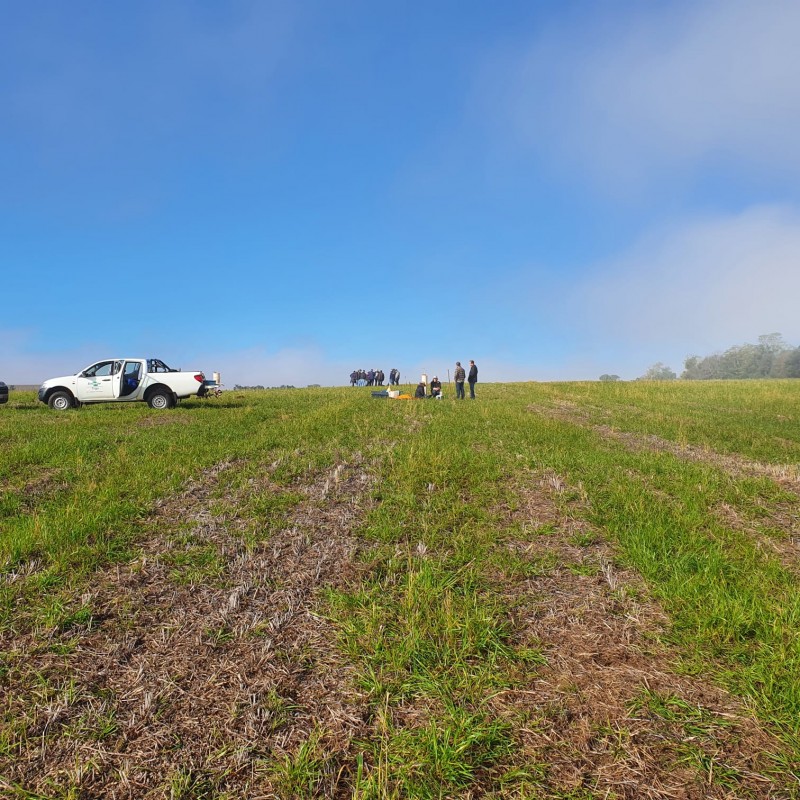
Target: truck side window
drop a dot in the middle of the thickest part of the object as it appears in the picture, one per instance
(100, 369)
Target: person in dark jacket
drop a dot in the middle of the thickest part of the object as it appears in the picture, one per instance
(420, 392)
(472, 379)
(436, 387)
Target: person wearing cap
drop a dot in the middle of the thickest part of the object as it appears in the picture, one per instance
(436, 387)
(459, 377)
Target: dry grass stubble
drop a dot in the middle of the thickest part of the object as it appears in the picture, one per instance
(609, 712)
(202, 684)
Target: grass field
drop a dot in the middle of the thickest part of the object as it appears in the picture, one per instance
(576, 590)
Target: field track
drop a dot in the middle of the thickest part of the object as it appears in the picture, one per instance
(557, 591)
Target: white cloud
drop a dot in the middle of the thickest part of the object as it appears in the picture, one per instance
(299, 366)
(667, 87)
(286, 367)
(694, 286)
(20, 363)
(703, 285)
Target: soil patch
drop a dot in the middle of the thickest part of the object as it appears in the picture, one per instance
(47, 483)
(197, 683)
(609, 713)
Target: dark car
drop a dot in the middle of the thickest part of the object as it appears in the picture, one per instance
(3, 393)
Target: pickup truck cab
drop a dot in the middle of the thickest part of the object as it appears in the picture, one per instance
(123, 380)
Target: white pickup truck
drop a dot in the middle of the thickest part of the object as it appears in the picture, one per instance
(123, 380)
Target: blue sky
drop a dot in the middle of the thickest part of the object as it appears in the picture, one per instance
(285, 191)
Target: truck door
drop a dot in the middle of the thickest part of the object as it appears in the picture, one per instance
(128, 380)
(96, 383)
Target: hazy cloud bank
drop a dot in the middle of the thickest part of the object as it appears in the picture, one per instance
(694, 286)
(703, 285)
(20, 364)
(248, 367)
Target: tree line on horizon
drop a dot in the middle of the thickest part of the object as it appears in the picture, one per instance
(772, 357)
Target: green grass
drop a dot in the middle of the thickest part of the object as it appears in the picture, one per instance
(299, 774)
(428, 626)
(755, 419)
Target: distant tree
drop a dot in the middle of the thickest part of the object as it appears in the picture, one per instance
(772, 343)
(313, 386)
(609, 378)
(773, 347)
(659, 372)
(787, 364)
(770, 358)
(793, 364)
(691, 368)
(699, 368)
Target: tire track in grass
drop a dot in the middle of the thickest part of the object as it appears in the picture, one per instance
(785, 475)
(776, 532)
(219, 680)
(609, 714)
(776, 528)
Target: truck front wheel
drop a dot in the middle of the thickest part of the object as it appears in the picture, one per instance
(60, 401)
(160, 400)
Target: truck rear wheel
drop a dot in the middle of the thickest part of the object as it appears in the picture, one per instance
(160, 399)
(60, 401)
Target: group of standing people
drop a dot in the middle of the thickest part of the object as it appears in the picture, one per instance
(471, 378)
(374, 377)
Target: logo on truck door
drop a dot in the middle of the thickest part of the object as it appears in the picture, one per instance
(97, 378)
